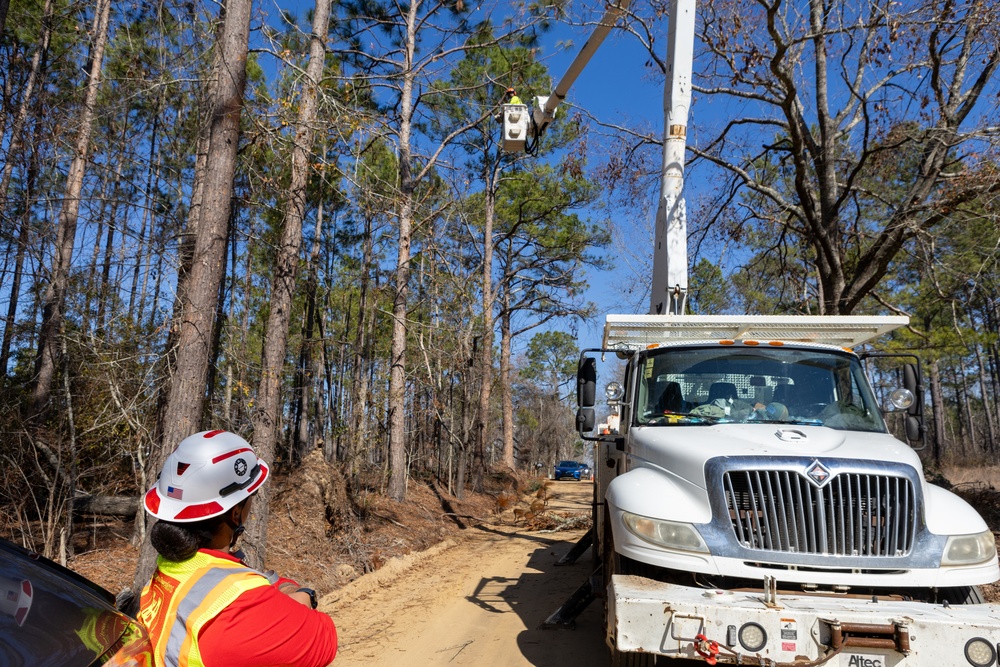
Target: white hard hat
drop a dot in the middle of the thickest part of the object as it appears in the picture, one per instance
(207, 474)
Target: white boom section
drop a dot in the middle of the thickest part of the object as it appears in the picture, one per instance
(636, 332)
(670, 279)
(545, 105)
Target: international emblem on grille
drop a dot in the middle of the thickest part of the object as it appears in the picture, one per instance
(818, 473)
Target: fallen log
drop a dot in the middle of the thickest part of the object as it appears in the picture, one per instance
(123, 506)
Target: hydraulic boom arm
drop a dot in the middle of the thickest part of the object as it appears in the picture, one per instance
(545, 106)
(669, 289)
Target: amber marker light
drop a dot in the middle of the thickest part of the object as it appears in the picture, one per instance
(776, 343)
(727, 342)
(750, 342)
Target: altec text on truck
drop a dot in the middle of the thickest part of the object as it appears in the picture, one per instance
(757, 510)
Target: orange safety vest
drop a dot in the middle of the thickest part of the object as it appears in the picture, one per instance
(182, 597)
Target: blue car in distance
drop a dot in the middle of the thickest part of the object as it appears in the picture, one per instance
(573, 469)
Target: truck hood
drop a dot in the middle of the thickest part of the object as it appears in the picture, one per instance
(683, 450)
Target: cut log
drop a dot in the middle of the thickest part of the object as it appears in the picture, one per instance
(123, 506)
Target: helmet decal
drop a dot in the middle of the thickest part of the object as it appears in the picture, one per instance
(152, 501)
(240, 467)
(200, 511)
(181, 467)
(223, 457)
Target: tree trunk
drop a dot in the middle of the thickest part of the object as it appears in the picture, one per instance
(397, 373)
(937, 407)
(152, 176)
(267, 414)
(991, 435)
(15, 285)
(357, 431)
(37, 67)
(182, 414)
(310, 369)
(483, 431)
(4, 5)
(103, 290)
(55, 293)
(23, 241)
(967, 402)
(506, 393)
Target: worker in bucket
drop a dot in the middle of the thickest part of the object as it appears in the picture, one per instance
(204, 606)
(509, 97)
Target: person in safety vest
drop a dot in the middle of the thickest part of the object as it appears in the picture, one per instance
(204, 607)
(509, 97)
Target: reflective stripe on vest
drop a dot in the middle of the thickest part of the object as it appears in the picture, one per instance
(206, 586)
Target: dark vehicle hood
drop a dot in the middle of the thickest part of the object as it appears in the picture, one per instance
(50, 615)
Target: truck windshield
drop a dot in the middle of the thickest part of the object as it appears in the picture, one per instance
(711, 385)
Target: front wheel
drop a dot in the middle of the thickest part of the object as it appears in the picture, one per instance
(961, 595)
(620, 659)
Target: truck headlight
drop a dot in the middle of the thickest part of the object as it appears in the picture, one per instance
(969, 549)
(671, 534)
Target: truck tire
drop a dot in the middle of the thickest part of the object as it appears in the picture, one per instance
(619, 659)
(962, 595)
(615, 564)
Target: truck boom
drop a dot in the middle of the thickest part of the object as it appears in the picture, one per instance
(670, 279)
(546, 105)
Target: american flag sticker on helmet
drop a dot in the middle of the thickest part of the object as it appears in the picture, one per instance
(175, 493)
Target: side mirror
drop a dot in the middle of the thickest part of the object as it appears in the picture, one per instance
(586, 384)
(586, 420)
(913, 424)
(907, 401)
(912, 382)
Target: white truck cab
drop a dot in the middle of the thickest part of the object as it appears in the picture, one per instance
(753, 507)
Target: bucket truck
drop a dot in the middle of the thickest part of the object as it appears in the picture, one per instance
(752, 506)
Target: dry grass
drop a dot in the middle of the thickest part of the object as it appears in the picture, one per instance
(983, 475)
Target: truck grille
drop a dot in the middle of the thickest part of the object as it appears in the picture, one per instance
(853, 514)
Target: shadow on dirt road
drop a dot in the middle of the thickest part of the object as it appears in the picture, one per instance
(480, 601)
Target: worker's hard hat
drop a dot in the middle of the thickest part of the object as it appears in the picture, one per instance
(209, 473)
(510, 91)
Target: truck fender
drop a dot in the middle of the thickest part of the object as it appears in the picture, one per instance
(947, 514)
(658, 494)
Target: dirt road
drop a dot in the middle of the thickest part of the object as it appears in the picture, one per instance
(478, 600)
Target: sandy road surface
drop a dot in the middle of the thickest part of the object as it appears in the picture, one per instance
(477, 600)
